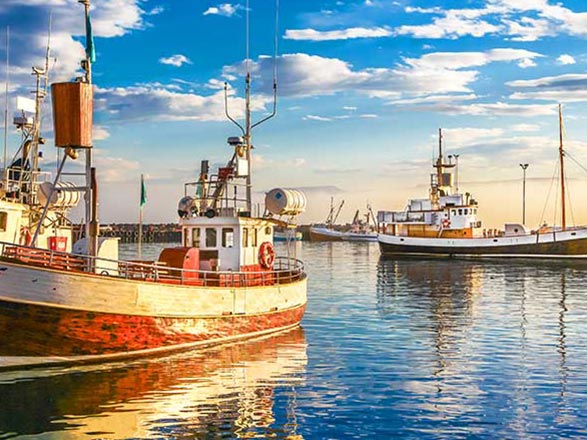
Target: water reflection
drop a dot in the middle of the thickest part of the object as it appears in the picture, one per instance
(239, 391)
(491, 337)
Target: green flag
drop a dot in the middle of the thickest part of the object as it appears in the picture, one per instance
(90, 49)
(143, 193)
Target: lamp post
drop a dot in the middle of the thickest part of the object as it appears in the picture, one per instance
(524, 166)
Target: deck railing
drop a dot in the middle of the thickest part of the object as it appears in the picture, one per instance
(285, 270)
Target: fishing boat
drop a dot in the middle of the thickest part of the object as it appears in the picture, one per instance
(224, 283)
(25, 187)
(327, 231)
(446, 224)
(361, 230)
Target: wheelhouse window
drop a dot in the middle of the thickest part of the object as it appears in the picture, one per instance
(254, 241)
(211, 238)
(196, 237)
(245, 237)
(227, 237)
(3, 221)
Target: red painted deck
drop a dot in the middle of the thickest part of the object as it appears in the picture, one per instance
(32, 330)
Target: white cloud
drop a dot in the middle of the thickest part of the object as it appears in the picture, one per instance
(175, 60)
(153, 102)
(524, 128)
(566, 59)
(100, 133)
(562, 88)
(454, 24)
(344, 34)
(526, 62)
(224, 9)
(316, 118)
(490, 109)
(440, 73)
(519, 20)
(462, 137)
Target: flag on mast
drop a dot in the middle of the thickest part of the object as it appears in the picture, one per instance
(90, 48)
(143, 193)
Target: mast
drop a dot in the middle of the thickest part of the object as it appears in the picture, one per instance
(439, 162)
(5, 158)
(92, 225)
(249, 125)
(248, 109)
(561, 153)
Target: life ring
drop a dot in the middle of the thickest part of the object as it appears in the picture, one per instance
(266, 255)
(25, 236)
(445, 223)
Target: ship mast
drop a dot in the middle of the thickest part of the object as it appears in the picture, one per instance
(561, 153)
(439, 161)
(249, 125)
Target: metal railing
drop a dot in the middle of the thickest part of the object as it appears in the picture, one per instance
(285, 270)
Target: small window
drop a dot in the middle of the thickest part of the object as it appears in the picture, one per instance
(466, 211)
(460, 212)
(211, 241)
(255, 231)
(245, 237)
(196, 237)
(3, 221)
(227, 237)
(454, 212)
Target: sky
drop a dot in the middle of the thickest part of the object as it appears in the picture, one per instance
(363, 87)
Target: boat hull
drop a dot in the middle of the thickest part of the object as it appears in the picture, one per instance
(568, 244)
(55, 313)
(351, 236)
(324, 234)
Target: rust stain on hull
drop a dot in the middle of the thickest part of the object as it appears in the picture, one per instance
(34, 330)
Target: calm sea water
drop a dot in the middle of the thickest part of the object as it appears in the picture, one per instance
(431, 349)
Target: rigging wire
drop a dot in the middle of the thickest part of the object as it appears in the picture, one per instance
(556, 197)
(569, 199)
(549, 191)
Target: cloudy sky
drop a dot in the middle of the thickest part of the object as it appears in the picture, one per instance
(364, 86)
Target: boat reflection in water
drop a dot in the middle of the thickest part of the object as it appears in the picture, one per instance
(238, 391)
(485, 337)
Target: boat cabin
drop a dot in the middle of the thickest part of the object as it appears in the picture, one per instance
(227, 243)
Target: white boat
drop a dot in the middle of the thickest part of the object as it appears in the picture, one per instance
(328, 231)
(446, 224)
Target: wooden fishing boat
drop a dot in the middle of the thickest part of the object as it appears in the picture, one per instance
(328, 231)
(224, 283)
(446, 224)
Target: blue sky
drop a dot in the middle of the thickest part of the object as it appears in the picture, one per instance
(363, 88)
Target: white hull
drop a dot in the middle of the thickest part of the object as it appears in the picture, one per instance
(568, 244)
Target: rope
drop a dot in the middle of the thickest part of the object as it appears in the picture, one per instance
(549, 191)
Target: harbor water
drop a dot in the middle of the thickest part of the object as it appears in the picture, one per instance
(412, 348)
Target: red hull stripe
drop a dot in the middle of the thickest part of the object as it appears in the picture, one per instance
(33, 330)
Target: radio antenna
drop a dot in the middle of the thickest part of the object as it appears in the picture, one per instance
(248, 125)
